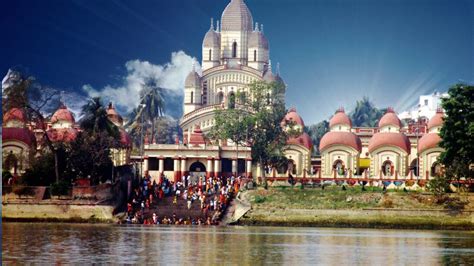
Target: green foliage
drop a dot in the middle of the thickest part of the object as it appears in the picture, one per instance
(365, 114)
(439, 186)
(41, 170)
(60, 188)
(260, 199)
(255, 122)
(316, 132)
(457, 133)
(94, 119)
(16, 96)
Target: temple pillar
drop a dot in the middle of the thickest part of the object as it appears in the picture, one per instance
(209, 167)
(217, 167)
(161, 168)
(234, 166)
(248, 168)
(176, 169)
(183, 168)
(145, 164)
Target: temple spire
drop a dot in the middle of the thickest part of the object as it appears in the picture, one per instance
(261, 28)
(212, 24)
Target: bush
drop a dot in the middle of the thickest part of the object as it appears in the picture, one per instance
(21, 190)
(439, 186)
(260, 199)
(454, 204)
(60, 189)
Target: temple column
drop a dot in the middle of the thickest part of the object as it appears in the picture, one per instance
(145, 164)
(234, 166)
(183, 168)
(209, 167)
(217, 167)
(161, 168)
(248, 168)
(176, 169)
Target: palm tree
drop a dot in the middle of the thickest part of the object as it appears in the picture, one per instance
(94, 119)
(365, 114)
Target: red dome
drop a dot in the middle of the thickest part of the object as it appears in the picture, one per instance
(333, 138)
(428, 141)
(197, 136)
(390, 119)
(18, 134)
(437, 120)
(113, 115)
(15, 114)
(125, 139)
(62, 114)
(389, 139)
(292, 115)
(304, 140)
(340, 118)
(62, 134)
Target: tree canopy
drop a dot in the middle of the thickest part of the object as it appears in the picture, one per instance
(457, 133)
(365, 114)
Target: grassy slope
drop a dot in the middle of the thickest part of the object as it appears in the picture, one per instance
(335, 207)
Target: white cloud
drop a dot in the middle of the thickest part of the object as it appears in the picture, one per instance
(170, 76)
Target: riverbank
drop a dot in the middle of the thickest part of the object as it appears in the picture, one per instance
(334, 207)
(57, 211)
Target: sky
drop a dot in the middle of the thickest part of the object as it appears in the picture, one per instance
(331, 52)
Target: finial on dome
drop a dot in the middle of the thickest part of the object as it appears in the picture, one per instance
(261, 28)
(439, 110)
(278, 68)
(390, 110)
(256, 26)
(340, 110)
(218, 26)
(110, 105)
(212, 24)
(270, 65)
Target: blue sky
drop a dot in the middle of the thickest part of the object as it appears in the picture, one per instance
(331, 52)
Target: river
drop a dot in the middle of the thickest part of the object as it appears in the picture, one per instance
(105, 243)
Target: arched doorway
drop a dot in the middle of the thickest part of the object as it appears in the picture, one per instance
(414, 166)
(219, 97)
(338, 167)
(231, 103)
(291, 167)
(387, 168)
(196, 171)
(435, 169)
(11, 163)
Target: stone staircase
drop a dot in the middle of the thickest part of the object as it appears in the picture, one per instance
(166, 207)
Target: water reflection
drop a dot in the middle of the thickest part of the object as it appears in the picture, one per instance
(76, 243)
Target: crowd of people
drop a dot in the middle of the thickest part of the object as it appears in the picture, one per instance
(212, 195)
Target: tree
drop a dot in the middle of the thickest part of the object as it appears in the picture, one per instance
(95, 120)
(316, 132)
(457, 133)
(256, 122)
(365, 114)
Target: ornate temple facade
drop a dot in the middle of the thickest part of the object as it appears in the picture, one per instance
(235, 53)
(389, 151)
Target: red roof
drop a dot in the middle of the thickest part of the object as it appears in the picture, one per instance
(62, 114)
(340, 118)
(333, 138)
(15, 114)
(437, 120)
(389, 139)
(390, 119)
(113, 115)
(197, 137)
(292, 115)
(303, 139)
(428, 141)
(18, 134)
(125, 139)
(62, 134)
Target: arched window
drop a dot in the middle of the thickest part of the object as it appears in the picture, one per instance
(192, 97)
(234, 50)
(210, 54)
(254, 55)
(219, 97)
(231, 100)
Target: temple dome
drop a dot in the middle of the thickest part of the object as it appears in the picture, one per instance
(62, 134)
(292, 115)
(113, 115)
(437, 120)
(390, 119)
(18, 134)
(62, 114)
(15, 114)
(340, 118)
(303, 139)
(334, 138)
(236, 17)
(192, 80)
(258, 40)
(212, 39)
(428, 141)
(392, 139)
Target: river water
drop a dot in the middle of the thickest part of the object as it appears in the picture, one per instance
(105, 243)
